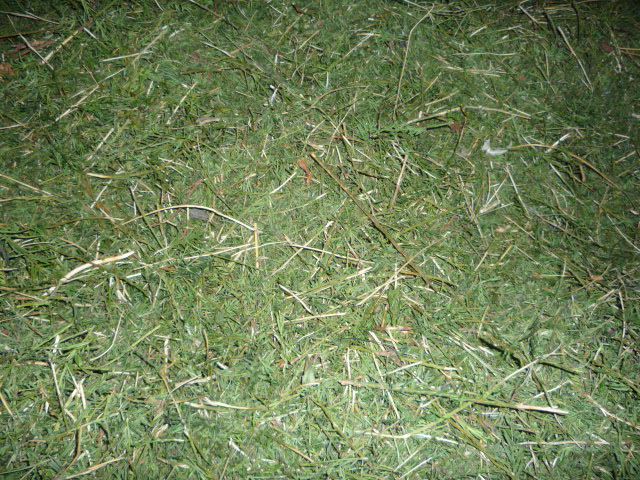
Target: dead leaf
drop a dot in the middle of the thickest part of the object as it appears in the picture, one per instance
(397, 328)
(456, 127)
(605, 47)
(205, 120)
(42, 43)
(387, 353)
(6, 69)
(35, 44)
(302, 163)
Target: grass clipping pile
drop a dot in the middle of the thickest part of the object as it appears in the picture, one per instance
(361, 239)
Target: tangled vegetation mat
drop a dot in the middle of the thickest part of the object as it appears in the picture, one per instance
(327, 239)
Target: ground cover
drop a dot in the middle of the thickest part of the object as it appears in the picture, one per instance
(365, 239)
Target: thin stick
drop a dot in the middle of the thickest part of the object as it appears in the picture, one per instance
(115, 335)
(295, 295)
(452, 396)
(28, 15)
(256, 244)
(404, 60)
(290, 259)
(42, 60)
(208, 209)
(584, 72)
(319, 250)
(428, 279)
(76, 455)
(93, 468)
(77, 104)
(102, 142)
(36, 189)
(398, 182)
(565, 442)
(206, 9)
(146, 49)
(30, 47)
(607, 413)
(575, 157)
(85, 266)
(65, 41)
(184, 97)
(6, 406)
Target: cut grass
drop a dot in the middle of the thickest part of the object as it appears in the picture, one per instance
(374, 294)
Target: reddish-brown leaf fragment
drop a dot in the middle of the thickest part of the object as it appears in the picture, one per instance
(6, 69)
(302, 163)
(605, 47)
